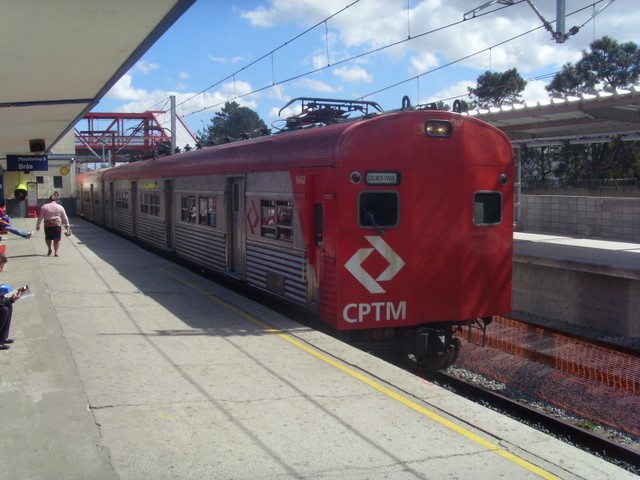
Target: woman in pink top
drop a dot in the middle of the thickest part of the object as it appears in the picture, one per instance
(55, 218)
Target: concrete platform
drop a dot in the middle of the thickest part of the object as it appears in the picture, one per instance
(126, 366)
(588, 286)
(616, 259)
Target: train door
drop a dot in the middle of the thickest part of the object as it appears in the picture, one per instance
(168, 213)
(236, 232)
(104, 203)
(316, 247)
(133, 205)
(91, 203)
(109, 205)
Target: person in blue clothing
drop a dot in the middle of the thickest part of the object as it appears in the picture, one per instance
(6, 311)
(5, 223)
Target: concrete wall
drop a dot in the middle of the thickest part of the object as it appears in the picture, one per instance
(612, 218)
(562, 292)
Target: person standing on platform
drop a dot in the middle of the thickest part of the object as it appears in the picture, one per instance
(6, 311)
(55, 217)
(5, 223)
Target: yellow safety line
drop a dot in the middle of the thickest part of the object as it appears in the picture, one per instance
(405, 401)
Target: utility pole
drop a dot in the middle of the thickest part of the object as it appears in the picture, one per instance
(173, 124)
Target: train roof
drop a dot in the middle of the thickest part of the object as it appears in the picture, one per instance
(281, 151)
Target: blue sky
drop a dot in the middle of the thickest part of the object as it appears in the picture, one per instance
(214, 52)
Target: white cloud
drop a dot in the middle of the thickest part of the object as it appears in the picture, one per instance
(353, 74)
(277, 92)
(315, 85)
(375, 23)
(146, 67)
(535, 91)
(286, 112)
(139, 99)
(319, 61)
(227, 60)
(280, 12)
(451, 93)
(422, 63)
(124, 90)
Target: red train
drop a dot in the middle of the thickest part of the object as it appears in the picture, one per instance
(397, 226)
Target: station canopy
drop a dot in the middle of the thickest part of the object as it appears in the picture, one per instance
(59, 58)
(585, 119)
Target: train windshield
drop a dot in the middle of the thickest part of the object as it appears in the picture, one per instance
(378, 209)
(487, 208)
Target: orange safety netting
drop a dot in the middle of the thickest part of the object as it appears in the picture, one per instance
(595, 382)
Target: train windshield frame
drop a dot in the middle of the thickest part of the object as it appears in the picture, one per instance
(378, 209)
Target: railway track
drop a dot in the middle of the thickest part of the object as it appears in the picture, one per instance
(615, 452)
(595, 381)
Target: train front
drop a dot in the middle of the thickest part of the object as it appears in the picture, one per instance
(425, 229)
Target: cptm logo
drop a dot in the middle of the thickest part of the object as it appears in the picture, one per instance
(376, 311)
(354, 265)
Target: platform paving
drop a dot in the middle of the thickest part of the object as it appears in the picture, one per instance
(126, 366)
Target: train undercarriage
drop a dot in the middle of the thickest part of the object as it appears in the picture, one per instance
(436, 347)
(431, 347)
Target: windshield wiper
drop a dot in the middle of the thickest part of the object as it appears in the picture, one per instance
(378, 228)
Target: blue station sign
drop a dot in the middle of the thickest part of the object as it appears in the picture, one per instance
(23, 163)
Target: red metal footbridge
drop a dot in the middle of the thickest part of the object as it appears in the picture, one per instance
(117, 137)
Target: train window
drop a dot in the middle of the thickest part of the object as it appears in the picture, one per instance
(188, 209)
(207, 211)
(200, 210)
(487, 208)
(236, 198)
(154, 204)
(378, 209)
(150, 203)
(122, 200)
(276, 219)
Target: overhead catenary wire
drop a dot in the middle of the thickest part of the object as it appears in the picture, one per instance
(270, 53)
(489, 48)
(275, 82)
(330, 65)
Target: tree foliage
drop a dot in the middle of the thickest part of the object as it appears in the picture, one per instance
(572, 80)
(538, 166)
(609, 64)
(582, 165)
(232, 122)
(495, 88)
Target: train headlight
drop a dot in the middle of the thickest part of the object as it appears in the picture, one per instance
(438, 128)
